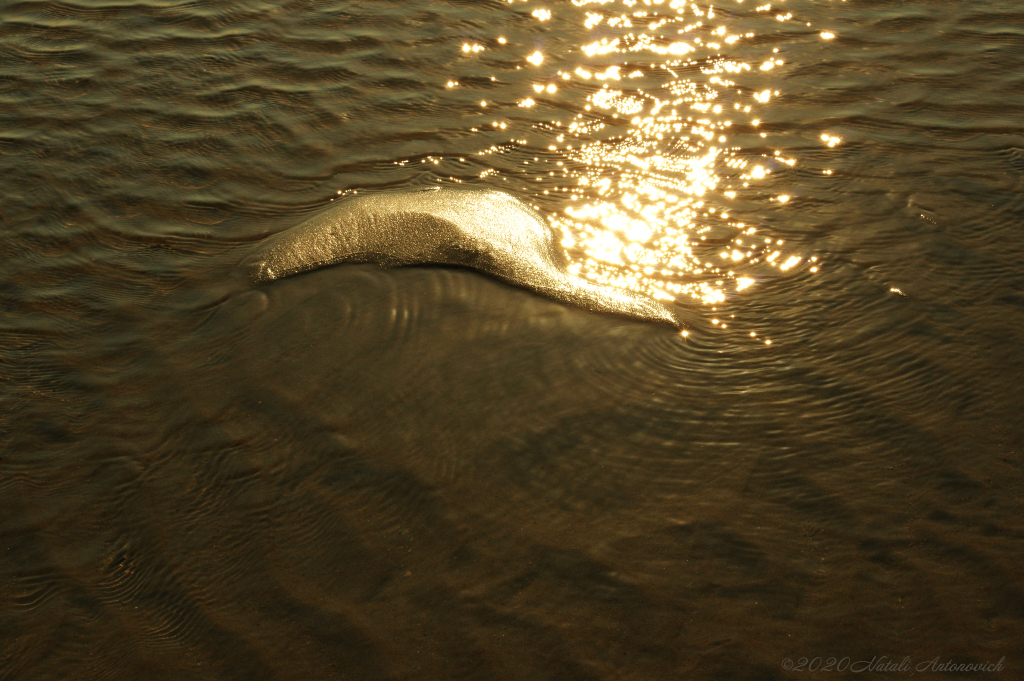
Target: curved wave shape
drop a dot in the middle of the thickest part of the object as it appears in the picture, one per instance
(485, 230)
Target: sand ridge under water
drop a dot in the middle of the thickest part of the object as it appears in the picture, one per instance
(485, 230)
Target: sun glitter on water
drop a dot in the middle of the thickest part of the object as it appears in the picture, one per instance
(664, 141)
(650, 207)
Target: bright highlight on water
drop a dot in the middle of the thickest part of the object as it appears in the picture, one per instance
(645, 179)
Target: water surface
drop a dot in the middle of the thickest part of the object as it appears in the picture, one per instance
(423, 473)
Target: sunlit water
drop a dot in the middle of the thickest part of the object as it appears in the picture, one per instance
(423, 473)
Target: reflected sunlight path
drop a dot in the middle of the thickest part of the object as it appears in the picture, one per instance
(664, 138)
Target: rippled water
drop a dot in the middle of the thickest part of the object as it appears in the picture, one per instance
(423, 473)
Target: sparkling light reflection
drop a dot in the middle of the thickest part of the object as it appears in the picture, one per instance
(663, 138)
(647, 199)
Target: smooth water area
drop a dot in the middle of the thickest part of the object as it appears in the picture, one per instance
(425, 473)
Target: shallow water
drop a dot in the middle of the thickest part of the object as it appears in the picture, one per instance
(424, 473)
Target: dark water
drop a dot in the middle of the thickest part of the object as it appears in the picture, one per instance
(426, 474)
